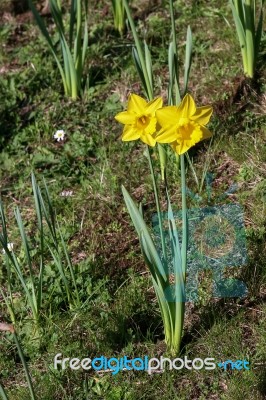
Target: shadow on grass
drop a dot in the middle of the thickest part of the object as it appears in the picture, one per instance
(143, 325)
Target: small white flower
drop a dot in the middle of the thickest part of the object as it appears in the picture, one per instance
(59, 135)
(10, 247)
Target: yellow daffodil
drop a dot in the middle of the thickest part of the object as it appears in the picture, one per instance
(183, 126)
(139, 119)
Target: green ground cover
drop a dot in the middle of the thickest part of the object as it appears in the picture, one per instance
(117, 313)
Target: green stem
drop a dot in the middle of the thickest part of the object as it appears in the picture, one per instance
(193, 170)
(157, 204)
(178, 312)
(184, 217)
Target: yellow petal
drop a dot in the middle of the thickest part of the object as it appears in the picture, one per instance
(167, 116)
(167, 135)
(136, 104)
(188, 107)
(154, 105)
(125, 118)
(206, 133)
(130, 133)
(148, 139)
(202, 115)
(180, 148)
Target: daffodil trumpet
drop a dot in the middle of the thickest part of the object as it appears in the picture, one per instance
(182, 127)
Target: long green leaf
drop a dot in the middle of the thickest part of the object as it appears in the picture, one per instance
(241, 36)
(24, 240)
(25, 367)
(73, 7)
(46, 35)
(57, 16)
(148, 63)
(139, 50)
(138, 65)
(41, 25)
(171, 69)
(250, 36)
(142, 229)
(58, 264)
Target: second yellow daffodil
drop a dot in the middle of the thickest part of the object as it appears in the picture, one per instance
(183, 126)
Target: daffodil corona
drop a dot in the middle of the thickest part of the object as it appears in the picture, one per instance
(183, 126)
(140, 120)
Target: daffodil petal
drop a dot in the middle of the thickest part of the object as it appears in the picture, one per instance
(206, 133)
(126, 118)
(180, 148)
(154, 105)
(188, 107)
(148, 139)
(130, 133)
(136, 104)
(167, 115)
(202, 115)
(167, 135)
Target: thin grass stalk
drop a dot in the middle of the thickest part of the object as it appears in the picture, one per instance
(4, 240)
(30, 295)
(49, 213)
(192, 169)
(25, 243)
(85, 36)
(205, 169)
(38, 209)
(59, 265)
(77, 44)
(70, 266)
(175, 56)
(9, 304)
(28, 377)
(188, 59)
(72, 22)
(259, 31)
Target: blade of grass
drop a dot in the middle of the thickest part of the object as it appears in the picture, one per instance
(188, 59)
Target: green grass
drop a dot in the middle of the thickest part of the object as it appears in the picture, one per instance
(120, 315)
